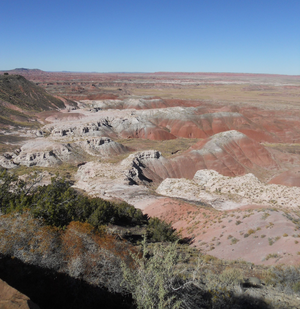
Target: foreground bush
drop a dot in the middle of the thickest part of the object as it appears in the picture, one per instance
(284, 277)
(79, 250)
(153, 280)
(157, 276)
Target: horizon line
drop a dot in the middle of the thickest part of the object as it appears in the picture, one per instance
(155, 72)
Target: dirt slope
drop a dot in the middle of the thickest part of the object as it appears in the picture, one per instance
(253, 234)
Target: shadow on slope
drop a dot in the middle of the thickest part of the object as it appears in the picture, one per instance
(50, 289)
(195, 298)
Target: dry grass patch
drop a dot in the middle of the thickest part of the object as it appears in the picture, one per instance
(66, 170)
(272, 256)
(167, 147)
(226, 93)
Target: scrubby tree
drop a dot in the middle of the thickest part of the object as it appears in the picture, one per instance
(154, 278)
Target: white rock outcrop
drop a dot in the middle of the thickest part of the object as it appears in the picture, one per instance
(139, 160)
(7, 160)
(224, 192)
(103, 146)
(45, 158)
(107, 180)
(39, 152)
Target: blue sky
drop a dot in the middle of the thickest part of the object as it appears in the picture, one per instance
(246, 36)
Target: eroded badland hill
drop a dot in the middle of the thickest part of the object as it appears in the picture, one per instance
(215, 155)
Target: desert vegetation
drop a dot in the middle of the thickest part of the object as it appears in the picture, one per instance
(57, 228)
(169, 198)
(58, 204)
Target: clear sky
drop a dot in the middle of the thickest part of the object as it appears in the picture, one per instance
(249, 36)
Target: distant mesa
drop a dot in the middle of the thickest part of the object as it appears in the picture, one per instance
(27, 70)
(24, 71)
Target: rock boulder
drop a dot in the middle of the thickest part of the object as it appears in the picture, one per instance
(10, 298)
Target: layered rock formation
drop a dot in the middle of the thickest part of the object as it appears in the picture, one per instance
(201, 120)
(173, 122)
(75, 128)
(108, 181)
(142, 167)
(43, 152)
(230, 153)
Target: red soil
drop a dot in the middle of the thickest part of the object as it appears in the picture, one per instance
(290, 178)
(252, 233)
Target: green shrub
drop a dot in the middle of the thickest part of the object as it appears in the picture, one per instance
(272, 256)
(12, 192)
(251, 231)
(234, 241)
(296, 287)
(58, 204)
(159, 230)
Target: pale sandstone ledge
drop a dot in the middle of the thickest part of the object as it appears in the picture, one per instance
(224, 192)
(10, 298)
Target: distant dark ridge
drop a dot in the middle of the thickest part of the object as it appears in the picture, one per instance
(20, 99)
(27, 70)
(22, 70)
(17, 90)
